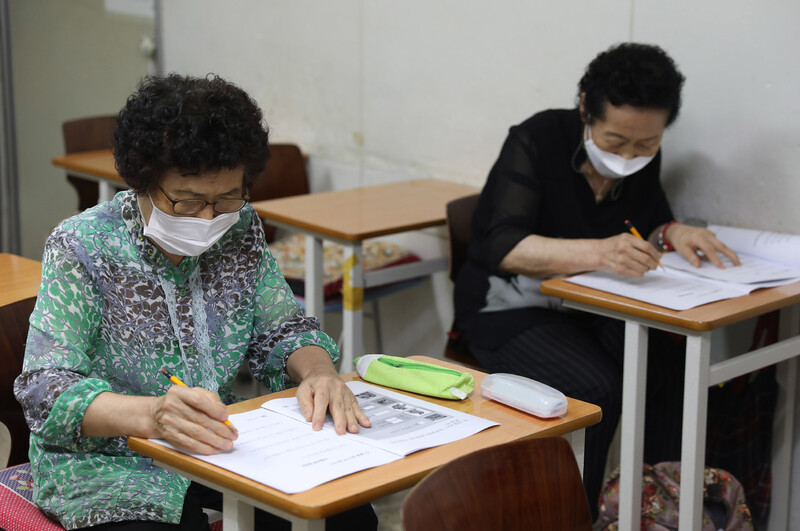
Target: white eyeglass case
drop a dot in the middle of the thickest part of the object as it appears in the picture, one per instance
(525, 394)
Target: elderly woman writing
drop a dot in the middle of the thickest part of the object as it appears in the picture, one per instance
(173, 274)
(556, 202)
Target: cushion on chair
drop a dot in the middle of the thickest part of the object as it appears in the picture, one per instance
(290, 252)
(17, 511)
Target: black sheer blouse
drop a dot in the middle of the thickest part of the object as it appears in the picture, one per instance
(535, 188)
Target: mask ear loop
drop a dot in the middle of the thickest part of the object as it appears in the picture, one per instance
(616, 189)
(587, 132)
(152, 208)
(574, 160)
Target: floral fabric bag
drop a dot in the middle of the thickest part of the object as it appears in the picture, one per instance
(724, 506)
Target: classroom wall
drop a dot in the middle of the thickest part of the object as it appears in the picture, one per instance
(377, 91)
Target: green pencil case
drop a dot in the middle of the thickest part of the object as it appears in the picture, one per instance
(415, 376)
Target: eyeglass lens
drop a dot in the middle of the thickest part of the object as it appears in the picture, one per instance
(192, 206)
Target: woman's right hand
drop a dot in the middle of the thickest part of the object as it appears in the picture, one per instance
(193, 418)
(627, 255)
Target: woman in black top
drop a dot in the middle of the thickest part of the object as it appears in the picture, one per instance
(556, 202)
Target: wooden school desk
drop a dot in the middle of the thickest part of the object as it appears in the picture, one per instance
(19, 278)
(696, 324)
(308, 509)
(351, 216)
(97, 166)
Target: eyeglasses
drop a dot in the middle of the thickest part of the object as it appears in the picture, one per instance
(193, 206)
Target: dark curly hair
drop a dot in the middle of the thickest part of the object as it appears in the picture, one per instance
(641, 75)
(190, 124)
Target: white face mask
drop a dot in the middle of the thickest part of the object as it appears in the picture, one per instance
(609, 164)
(187, 236)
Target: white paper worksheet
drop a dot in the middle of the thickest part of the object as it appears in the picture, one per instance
(767, 259)
(277, 447)
(751, 270)
(773, 246)
(659, 288)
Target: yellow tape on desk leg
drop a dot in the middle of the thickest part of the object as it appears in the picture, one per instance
(352, 298)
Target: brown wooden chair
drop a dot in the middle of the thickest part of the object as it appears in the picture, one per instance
(528, 485)
(87, 134)
(5, 445)
(284, 175)
(13, 334)
(459, 220)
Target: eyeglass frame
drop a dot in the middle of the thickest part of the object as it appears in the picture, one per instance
(245, 198)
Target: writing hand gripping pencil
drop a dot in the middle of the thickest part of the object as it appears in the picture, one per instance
(177, 381)
(638, 235)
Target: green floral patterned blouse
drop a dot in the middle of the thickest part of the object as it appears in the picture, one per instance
(112, 310)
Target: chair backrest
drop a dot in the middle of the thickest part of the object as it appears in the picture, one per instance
(87, 134)
(459, 221)
(5, 445)
(528, 484)
(284, 175)
(13, 334)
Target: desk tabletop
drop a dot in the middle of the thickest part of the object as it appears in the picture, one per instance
(98, 163)
(367, 212)
(362, 487)
(702, 318)
(19, 278)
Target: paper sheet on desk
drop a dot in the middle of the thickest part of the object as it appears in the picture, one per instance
(278, 448)
(400, 424)
(659, 288)
(679, 285)
(773, 246)
(752, 271)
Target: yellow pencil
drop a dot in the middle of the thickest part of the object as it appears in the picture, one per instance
(636, 233)
(177, 381)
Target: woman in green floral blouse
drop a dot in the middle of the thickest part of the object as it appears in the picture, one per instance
(174, 274)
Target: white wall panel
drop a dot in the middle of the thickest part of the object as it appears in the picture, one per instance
(299, 59)
(444, 80)
(730, 157)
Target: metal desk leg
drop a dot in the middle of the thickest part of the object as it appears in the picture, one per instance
(105, 191)
(577, 440)
(693, 443)
(783, 429)
(300, 524)
(315, 298)
(634, 391)
(236, 514)
(352, 305)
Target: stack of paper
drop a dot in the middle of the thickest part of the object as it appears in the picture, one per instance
(767, 259)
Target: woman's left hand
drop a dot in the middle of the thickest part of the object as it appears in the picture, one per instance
(688, 240)
(322, 389)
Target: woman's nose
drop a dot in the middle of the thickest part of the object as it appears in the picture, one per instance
(207, 212)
